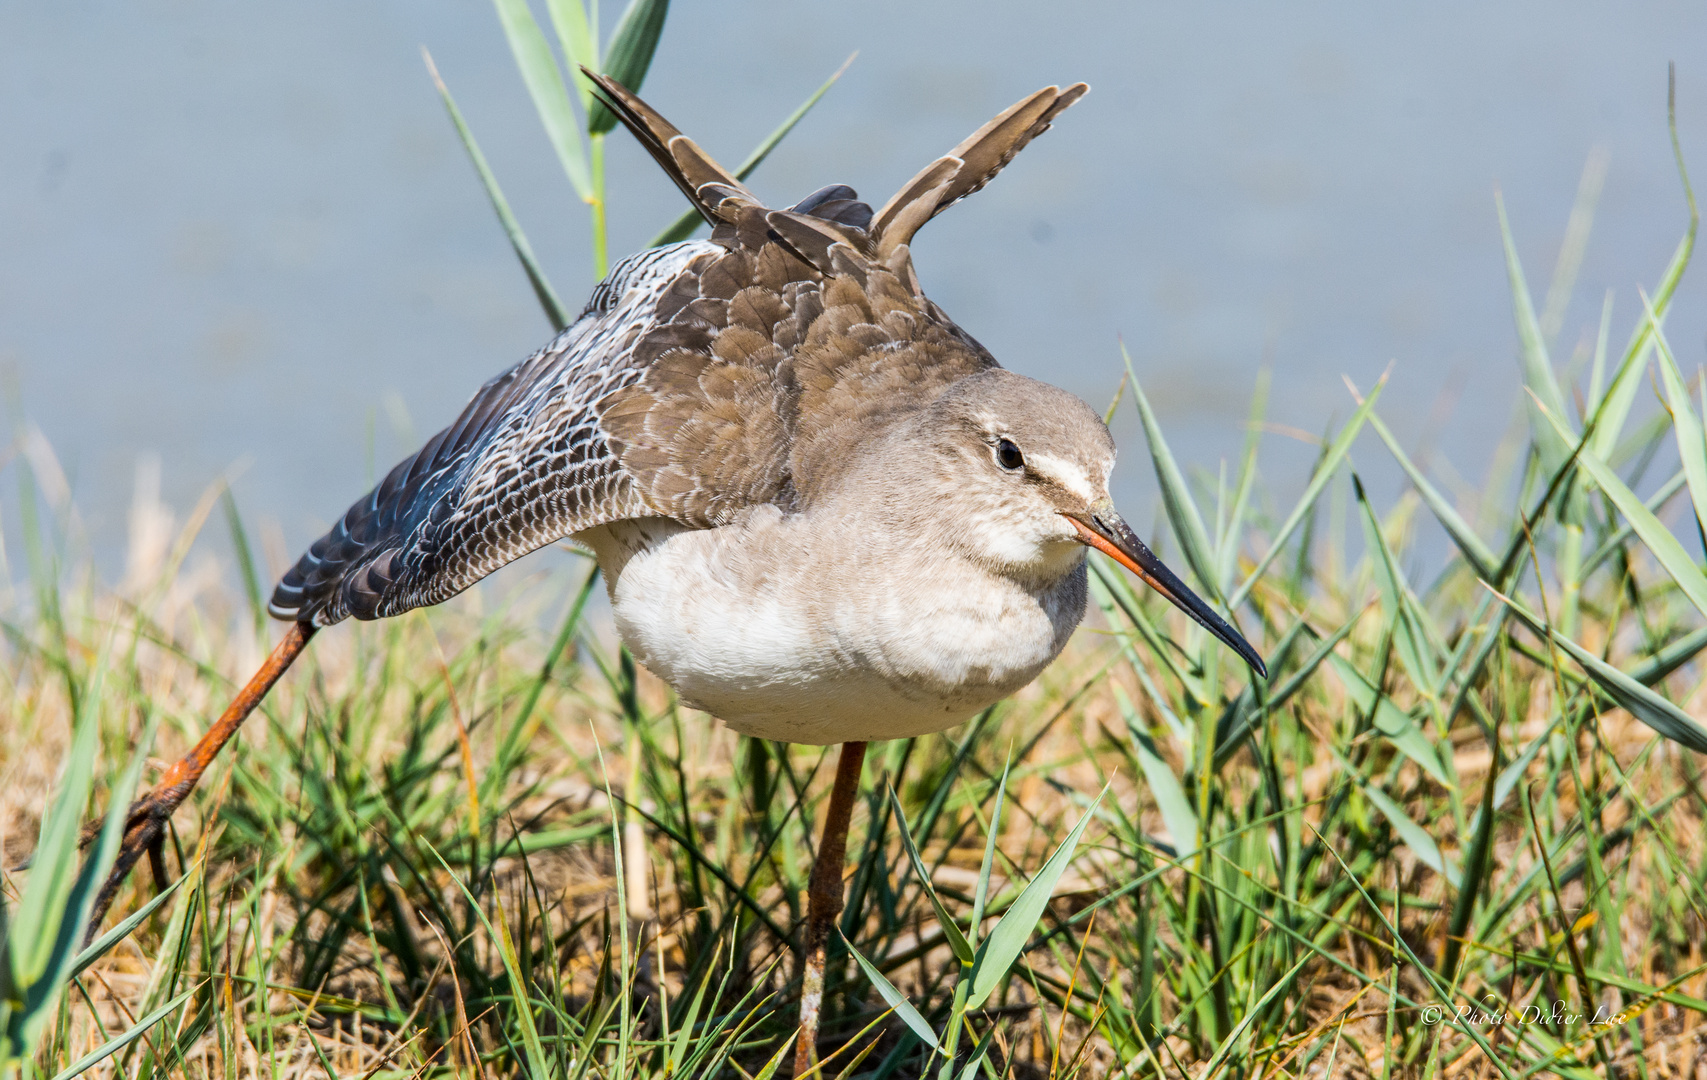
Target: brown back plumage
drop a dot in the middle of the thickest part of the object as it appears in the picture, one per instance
(701, 380)
(809, 328)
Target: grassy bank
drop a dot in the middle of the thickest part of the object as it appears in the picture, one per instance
(1457, 832)
(1432, 815)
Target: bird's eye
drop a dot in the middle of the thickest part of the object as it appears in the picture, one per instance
(1008, 455)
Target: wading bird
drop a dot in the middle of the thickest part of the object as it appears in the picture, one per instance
(823, 512)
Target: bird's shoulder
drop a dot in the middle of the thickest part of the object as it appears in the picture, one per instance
(764, 364)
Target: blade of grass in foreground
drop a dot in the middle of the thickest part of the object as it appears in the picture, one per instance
(1537, 370)
(1480, 557)
(956, 939)
(1165, 787)
(998, 951)
(575, 36)
(893, 997)
(1389, 719)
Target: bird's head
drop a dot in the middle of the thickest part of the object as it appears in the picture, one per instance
(1025, 486)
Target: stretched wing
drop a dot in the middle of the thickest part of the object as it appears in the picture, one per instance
(524, 464)
(703, 379)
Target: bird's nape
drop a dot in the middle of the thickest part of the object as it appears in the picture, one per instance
(1103, 529)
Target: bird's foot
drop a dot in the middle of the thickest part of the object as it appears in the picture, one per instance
(144, 833)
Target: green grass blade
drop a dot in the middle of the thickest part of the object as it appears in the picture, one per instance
(1614, 409)
(1227, 553)
(683, 227)
(121, 930)
(629, 55)
(1641, 702)
(1413, 835)
(1165, 787)
(1281, 985)
(1537, 369)
(1477, 553)
(1318, 483)
(956, 939)
(678, 1052)
(1390, 720)
(544, 81)
(1475, 871)
(119, 1042)
(981, 893)
(998, 951)
(1414, 649)
(775, 1062)
(1652, 531)
(576, 38)
(1686, 425)
(245, 561)
(894, 998)
(1597, 369)
(1181, 509)
(1296, 680)
(555, 312)
(519, 988)
(979, 1052)
(53, 868)
(1618, 539)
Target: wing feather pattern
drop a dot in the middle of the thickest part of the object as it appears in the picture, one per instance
(703, 379)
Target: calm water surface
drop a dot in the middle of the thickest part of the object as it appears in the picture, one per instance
(244, 238)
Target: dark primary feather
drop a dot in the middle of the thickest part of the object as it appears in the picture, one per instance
(703, 379)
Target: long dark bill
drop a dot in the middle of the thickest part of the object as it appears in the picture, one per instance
(1103, 529)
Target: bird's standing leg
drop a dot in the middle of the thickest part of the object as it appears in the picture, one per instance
(149, 814)
(824, 899)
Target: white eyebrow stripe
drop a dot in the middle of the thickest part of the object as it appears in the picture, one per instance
(1069, 474)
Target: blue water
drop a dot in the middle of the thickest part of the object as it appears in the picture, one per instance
(245, 238)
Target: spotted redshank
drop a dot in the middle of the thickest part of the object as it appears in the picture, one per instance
(823, 512)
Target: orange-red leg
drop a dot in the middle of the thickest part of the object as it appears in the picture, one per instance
(824, 900)
(149, 814)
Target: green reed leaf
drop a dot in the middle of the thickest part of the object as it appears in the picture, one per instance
(981, 892)
(893, 997)
(1538, 373)
(956, 939)
(129, 1035)
(1390, 720)
(1415, 651)
(1177, 811)
(545, 86)
(1477, 553)
(1181, 508)
(1685, 424)
(1413, 835)
(555, 312)
(575, 36)
(998, 951)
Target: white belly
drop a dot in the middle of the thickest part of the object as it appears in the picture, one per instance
(801, 638)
